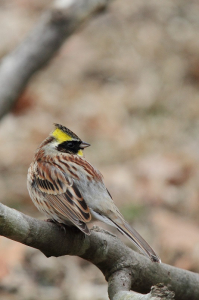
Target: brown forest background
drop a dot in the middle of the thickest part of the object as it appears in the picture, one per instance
(128, 83)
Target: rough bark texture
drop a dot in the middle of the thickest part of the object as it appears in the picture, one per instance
(158, 292)
(123, 268)
(54, 27)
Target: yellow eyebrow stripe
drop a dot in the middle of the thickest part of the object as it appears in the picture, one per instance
(61, 136)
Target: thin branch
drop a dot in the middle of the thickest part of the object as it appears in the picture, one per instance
(120, 265)
(54, 27)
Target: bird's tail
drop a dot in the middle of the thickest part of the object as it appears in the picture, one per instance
(134, 236)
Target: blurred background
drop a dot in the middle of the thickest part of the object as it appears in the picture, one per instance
(128, 83)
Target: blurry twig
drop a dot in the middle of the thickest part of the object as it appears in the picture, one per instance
(54, 27)
(123, 268)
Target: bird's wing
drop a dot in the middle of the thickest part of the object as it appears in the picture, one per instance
(62, 195)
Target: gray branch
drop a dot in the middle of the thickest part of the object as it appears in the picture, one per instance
(123, 268)
(54, 27)
(158, 292)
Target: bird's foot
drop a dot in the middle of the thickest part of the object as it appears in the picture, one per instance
(59, 225)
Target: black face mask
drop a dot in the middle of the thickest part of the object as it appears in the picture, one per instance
(69, 147)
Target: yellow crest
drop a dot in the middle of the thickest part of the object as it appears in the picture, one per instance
(61, 136)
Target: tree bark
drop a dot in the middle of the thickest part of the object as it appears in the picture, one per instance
(158, 292)
(54, 27)
(123, 268)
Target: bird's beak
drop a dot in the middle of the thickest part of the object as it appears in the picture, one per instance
(84, 145)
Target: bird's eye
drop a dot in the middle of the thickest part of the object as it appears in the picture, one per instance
(70, 145)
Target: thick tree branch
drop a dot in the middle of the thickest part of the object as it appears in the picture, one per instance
(122, 267)
(54, 27)
(158, 292)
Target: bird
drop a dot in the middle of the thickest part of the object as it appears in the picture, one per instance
(67, 189)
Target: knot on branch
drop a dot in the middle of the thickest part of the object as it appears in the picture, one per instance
(160, 291)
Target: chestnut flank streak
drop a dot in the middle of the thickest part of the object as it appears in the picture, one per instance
(85, 165)
(81, 202)
(77, 191)
(68, 167)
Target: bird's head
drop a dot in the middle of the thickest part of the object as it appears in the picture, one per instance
(66, 141)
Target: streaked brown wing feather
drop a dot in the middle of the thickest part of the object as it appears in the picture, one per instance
(65, 212)
(63, 195)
